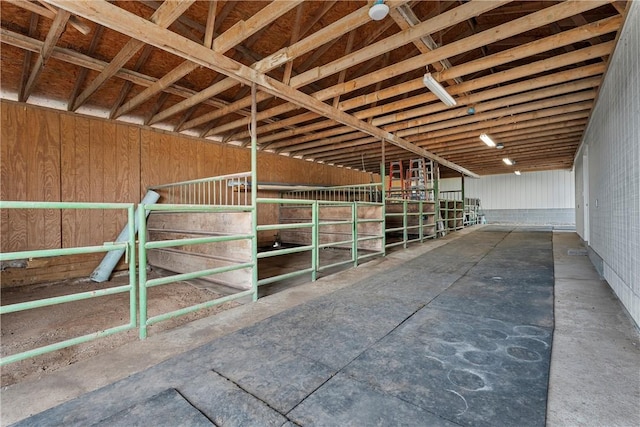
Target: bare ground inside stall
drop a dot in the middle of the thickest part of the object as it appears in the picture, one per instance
(38, 327)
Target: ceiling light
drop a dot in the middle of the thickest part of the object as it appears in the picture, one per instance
(438, 90)
(508, 161)
(487, 140)
(517, 173)
(378, 11)
(499, 145)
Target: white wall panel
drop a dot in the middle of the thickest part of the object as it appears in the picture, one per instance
(450, 184)
(613, 142)
(531, 190)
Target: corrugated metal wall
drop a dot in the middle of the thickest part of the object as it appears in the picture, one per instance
(613, 142)
(533, 190)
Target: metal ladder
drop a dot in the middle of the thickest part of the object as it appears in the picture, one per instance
(396, 182)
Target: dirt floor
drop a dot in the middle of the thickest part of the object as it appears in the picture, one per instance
(34, 328)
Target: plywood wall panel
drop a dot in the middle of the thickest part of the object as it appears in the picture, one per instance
(30, 158)
(14, 174)
(53, 155)
(68, 188)
(127, 174)
(97, 140)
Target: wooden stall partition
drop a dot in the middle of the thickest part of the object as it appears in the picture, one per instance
(370, 229)
(332, 233)
(190, 258)
(413, 220)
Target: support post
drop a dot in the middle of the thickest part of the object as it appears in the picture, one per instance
(384, 202)
(254, 192)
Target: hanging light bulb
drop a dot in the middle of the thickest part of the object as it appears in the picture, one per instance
(378, 10)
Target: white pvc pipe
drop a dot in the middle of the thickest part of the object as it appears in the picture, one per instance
(103, 271)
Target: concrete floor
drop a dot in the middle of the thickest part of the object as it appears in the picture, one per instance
(594, 376)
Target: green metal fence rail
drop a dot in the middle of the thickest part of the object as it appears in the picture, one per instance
(227, 190)
(407, 230)
(317, 200)
(145, 246)
(349, 196)
(128, 246)
(342, 193)
(313, 247)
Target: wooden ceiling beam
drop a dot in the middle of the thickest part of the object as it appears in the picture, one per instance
(126, 87)
(468, 144)
(571, 36)
(26, 63)
(163, 16)
(571, 112)
(350, 139)
(551, 154)
(55, 31)
(440, 119)
(534, 141)
(471, 149)
(113, 17)
(521, 25)
(536, 110)
(437, 23)
(533, 132)
(50, 14)
(516, 123)
(370, 51)
(82, 76)
(542, 45)
(331, 143)
(72, 57)
(553, 96)
(525, 86)
(230, 38)
(405, 18)
(332, 31)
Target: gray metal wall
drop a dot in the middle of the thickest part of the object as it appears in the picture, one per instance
(609, 178)
(533, 198)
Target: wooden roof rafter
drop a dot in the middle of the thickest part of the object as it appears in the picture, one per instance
(136, 27)
(221, 44)
(278, 58)
(557, 12)
(370, 51)
(55, 31)
(50, 13)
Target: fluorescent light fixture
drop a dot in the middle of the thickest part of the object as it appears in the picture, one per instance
(438, 90)
(517, 173)
(378, 11)
(508, 161)
(487, 140)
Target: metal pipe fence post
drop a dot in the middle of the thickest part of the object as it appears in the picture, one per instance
(133, 298)
(405, 224)
(254, 193)
(421, 219)
(315, 254)
(354, 232)
(384, 207)
(142, 268)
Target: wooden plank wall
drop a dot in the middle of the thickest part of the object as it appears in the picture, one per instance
(50, 155)
(30, 170)
(100, 163)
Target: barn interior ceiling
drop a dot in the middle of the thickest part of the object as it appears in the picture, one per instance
(332, 83)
